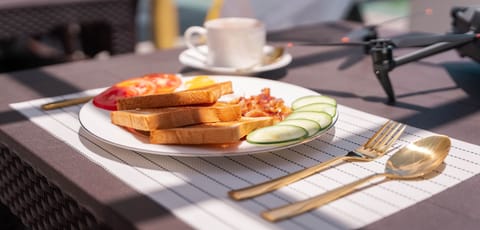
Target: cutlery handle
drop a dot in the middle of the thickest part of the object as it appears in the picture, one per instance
(65, 103)
(297, 208)
(268, 186)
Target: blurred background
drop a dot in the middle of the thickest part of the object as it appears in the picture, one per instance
(194, 12)
(35, 33)
(43, 32)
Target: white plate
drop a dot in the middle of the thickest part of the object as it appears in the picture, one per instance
(96, 121)
(193, 59)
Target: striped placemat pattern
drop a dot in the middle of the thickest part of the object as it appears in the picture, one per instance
(195, 188)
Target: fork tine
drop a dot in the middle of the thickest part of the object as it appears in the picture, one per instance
(373, 139)
(387, 134)
(390, 138)
(395, 138)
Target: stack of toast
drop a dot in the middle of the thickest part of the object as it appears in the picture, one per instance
(187, 117)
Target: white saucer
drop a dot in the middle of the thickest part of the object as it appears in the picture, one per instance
(195, 60)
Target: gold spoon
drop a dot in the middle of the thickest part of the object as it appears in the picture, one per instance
(410, 162)
(269, 58)
(273, 56)
(66, 102)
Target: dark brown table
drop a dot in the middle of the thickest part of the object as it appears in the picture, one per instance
(439, 94)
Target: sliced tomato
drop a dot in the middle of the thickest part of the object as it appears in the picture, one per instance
(148, 84)
(143, 86)
(108, 98)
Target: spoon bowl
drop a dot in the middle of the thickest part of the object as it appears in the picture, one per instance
(269, 58)
(273, 56)
(410, 162)
(419, 158)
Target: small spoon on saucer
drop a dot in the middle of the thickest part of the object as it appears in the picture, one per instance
(269, 58)
(273, 56)
(410, 162)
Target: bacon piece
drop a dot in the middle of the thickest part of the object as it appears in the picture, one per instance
(263, 105)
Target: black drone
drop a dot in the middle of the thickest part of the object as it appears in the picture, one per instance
(464, 37)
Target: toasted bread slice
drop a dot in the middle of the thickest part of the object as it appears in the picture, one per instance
(171, 117)
(210, 133)
(205, 95)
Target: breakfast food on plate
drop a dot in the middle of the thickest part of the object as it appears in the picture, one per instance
(171, 117)
(309, 116)
(313, 99)
(205, 95)
(210, 133)
(199, 82)
(153, 83)
(263, 105)
(195, 116)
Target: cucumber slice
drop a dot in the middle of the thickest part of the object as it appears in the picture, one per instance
(302, 101)
(322, 118)
(277, 134)
(319, 107)
(312, 127)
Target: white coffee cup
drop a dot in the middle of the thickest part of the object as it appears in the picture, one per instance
(232, 42)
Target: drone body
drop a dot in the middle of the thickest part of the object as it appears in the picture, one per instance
(467, 20)
(464, 38)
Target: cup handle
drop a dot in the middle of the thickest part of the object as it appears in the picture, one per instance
(190, 33)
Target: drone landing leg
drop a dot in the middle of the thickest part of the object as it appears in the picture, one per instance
(384, 79)
(382, 58)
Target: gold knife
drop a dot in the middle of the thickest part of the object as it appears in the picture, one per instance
(66, 102)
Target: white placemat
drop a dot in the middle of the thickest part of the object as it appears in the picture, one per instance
(195, 189)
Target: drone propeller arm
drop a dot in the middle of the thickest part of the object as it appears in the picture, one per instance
(428, 51)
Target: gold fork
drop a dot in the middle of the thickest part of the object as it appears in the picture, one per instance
(375, 147)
